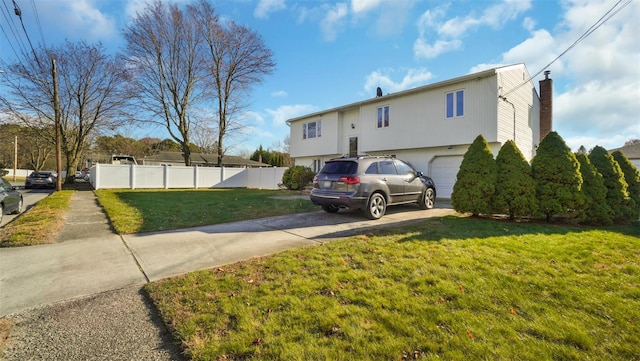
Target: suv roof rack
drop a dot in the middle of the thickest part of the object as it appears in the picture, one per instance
(363, 156)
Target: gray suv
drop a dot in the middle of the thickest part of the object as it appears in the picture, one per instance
(370, 183)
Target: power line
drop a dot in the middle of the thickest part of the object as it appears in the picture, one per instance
(18, 12)
(14, 31)
(37, 18)
(608, 15)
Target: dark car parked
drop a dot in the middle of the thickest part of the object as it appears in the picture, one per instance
(10, 199)
(370, 183)
(41, 180)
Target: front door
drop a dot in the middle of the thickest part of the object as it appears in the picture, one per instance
(353, 146)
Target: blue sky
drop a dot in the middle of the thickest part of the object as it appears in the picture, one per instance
(332, 53)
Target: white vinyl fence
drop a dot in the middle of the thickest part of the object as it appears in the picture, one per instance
(158, 176)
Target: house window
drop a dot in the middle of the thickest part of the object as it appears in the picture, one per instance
(383, 116)
(455, 104)
(312, 130)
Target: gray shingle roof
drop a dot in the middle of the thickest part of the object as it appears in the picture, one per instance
(203, 159)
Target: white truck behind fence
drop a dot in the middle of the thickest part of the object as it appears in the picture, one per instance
(105, 176)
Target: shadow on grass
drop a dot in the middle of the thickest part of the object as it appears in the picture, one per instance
(453, 227)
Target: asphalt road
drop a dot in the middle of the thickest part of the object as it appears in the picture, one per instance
(30, 197)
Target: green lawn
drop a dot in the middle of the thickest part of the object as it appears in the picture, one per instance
(134, 211)
(40, 224)
(447, 288)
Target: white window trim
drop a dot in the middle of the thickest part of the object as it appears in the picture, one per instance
(383, 124)
(455, 103)
(318, 128)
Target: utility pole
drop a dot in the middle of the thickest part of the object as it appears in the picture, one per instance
(56, 110)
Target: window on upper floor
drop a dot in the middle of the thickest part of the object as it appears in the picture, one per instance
(454, 104)
(383, 116)
(312, 130)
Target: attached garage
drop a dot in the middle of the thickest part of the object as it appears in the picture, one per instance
(443, 170)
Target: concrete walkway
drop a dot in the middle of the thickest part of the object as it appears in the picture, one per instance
(90, 258)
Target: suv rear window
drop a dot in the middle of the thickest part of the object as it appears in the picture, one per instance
(340, 168)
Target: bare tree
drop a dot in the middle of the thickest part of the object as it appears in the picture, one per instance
(91, 96)
(163, 50)
(236, 59)
(204, 137)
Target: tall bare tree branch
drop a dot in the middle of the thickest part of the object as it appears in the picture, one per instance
(237, 59)
(163, 49)
(91, 95)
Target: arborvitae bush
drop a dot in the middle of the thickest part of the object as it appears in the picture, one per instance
(632, 177)
(474, 189)
(596, 208)
(515, 187)
(556, 172)
(617, 194)
(297, 176)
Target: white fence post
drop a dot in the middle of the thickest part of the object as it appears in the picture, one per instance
(195, 177)
(96, 176)
(132, 177)
(165, 176)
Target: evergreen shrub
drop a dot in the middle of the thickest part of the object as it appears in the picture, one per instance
(596, 208)
(474, 189)
(617, 194)
(297, 177)
(515, 187)
(556, 172)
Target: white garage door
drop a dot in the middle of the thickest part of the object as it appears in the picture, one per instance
(443, 172)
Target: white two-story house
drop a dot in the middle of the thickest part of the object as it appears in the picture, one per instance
(430, 126)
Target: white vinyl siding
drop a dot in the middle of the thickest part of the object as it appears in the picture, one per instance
(454, 104)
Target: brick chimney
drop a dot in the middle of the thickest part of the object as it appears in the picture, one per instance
(546, 105)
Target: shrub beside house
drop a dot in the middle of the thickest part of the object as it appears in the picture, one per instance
(573, 187)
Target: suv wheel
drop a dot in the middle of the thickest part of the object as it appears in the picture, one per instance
(427, 200)
(376, 206)
(330, 208)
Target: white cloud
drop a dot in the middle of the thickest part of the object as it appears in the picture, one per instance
(529, 24)
(422, 49)
(87, 16)
(536, 52)
(358, 6)
(602, 111)
(78, 19)
(285, 112)
(133, 7)
(383, 79)
(333, 21)
(251, 117)
(279, 94)
(597, 82)
(266, 7)
(429, 19)
(450, 32)
(485, 66)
